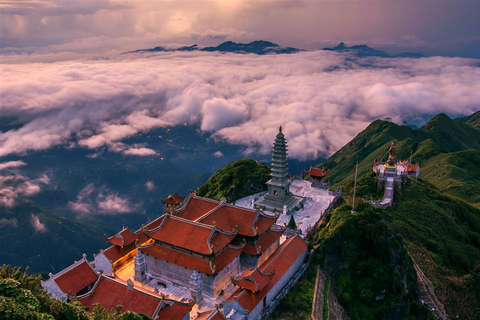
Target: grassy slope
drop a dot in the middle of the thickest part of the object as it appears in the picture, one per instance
(443, 235)
(236, 180)
(447, 150)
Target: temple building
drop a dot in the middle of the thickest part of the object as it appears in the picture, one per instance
(278, 197)
(316, 175)
(391, 174)
(76, 279)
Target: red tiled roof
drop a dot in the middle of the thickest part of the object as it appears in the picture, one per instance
(317, 172)
(211, 315)
(173, 199)
(190, 235)
(174, 311)
(196, 207)
(279, 262)
(253, 280)
(77, 278)
(109, 293)
(191, 262)
(155, 223)
(267, 239)
(263, 243)
(412, 168)
(114, 253)
(227, 217)
(123, 238)
(250, 249)
(263, 223)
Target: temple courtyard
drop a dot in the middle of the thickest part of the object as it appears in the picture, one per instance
(317, 201)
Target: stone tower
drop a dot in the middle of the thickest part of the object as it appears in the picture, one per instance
(278, 198)
(140, 267)
(196, 286)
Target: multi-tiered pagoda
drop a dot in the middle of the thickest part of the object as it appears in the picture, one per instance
(279, 199)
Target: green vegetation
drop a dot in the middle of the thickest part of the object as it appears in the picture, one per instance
(325, 299)
(291, 224)
(373, 274)
(367, 252)
(447, 150)
(236, 180)
(22, 297)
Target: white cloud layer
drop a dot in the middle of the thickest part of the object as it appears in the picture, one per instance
(12, 186)
(36, 224)
(323, 99)
(90, 200)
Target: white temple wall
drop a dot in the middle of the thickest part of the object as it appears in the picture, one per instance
(222, 280)
(274, 246)
(103, 263)
(53, 289)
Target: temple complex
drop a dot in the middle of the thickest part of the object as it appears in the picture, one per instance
(201, 259)
(278, 197)
(199, 255)
(390, 175)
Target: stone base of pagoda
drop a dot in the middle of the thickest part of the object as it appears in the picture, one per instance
(276, 204)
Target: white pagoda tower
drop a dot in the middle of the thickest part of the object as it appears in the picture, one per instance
(278, 198)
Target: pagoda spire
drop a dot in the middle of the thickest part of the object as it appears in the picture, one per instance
(278, 194)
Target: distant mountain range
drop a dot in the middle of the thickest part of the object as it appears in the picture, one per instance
(262, 47)
(257, 47)
(366, 51)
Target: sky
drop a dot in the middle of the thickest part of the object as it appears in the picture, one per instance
(65, 83)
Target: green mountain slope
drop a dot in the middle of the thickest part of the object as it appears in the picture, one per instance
(236, 180)
(447, 150)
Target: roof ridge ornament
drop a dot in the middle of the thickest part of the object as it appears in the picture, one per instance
(280, 129)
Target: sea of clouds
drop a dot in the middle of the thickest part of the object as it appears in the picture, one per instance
(322, 99)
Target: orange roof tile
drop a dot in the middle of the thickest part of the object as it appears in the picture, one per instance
(110, 293)
(174, 311)
(211, 315)
(278, 263)
(317, 172)
(76, 277)
(190, 235)
(227, 217)
(263, 223)
(196, 207)
(263, 243)
(412, 168)
(253, 280)
(205, 266)
(173, 199)
(114, 253)
(268, 238)
(123, 238)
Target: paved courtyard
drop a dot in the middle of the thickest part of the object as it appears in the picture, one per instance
(314, 207)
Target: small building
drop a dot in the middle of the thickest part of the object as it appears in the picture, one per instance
(316, 175)
(172, 201)
(76, 279)
(391, 174)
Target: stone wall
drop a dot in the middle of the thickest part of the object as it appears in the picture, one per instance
(212, 285)
(103, 263)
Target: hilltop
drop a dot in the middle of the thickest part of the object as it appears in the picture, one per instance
(447, 150)
(236, 180)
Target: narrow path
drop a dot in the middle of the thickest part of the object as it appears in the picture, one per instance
(318, 296)
(427, 294)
